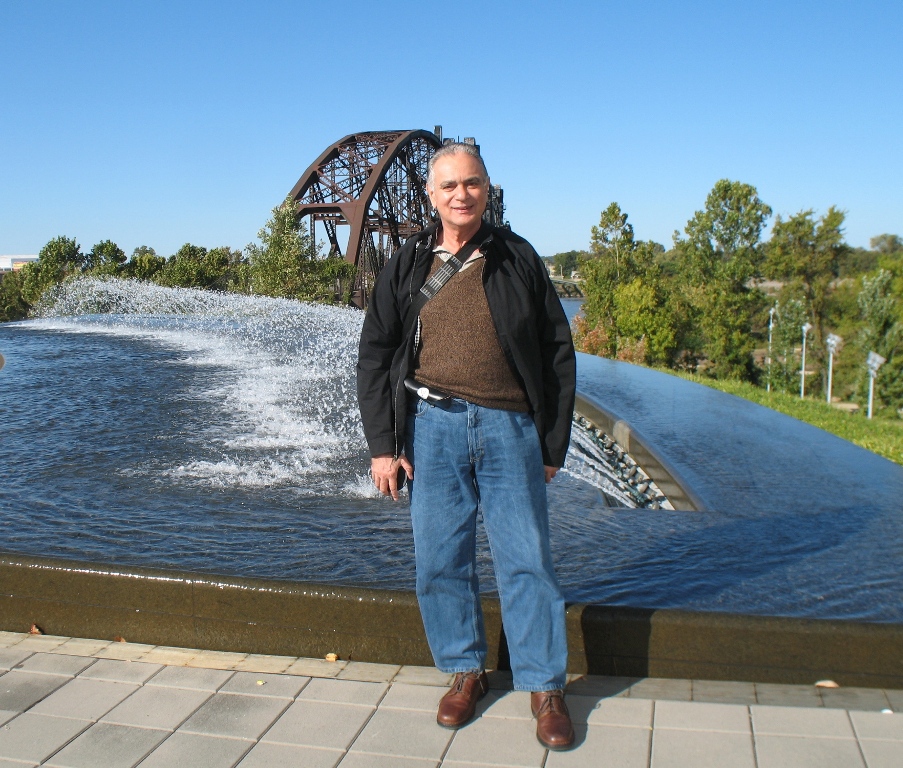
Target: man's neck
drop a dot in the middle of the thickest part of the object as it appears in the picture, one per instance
(453, 239)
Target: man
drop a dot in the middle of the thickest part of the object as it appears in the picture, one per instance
(472, 403)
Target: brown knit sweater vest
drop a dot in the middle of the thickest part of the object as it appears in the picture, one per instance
(459, 348)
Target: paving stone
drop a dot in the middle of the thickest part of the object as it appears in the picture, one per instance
(598, 685)
(105, 745)
(724, 692)
(15, 764)
(702, 716)
(188, 677)
(787, 695)
(6, 715)
(343, 692)
(260, 663)
(157, 707)
(216, 660)
(366, 760)
(403, 734)
(424, 698)
(193, 750)
(374, 673)
(786, 721)
(84, 699)
(510, 704)
(11, 638)
(10, 657)
(35, 737)
(166, 655)
(497, 741)
(659, 688)
(315, 667)
(55, 664)
(701, 749)
(124, 651)
(634, 713)
(120, 671)
(41, 643)
(235, 715)
(266, 755)
(800, 752)
(876, 725)
(319, 724)
(882, 754)
(596, 746)
(895, 698)
(79, 647)
(21, 690)
(423, 676)
(282, 686)
(865, 699)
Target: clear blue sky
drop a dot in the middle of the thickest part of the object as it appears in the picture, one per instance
(165, 122)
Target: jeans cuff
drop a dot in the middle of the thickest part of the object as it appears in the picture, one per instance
(540, 688)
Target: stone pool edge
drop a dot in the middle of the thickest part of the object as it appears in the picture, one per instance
(260, 616)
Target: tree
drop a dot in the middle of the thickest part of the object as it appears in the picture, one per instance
(887, 244)
(57, 260)
(807, 254)
(105, 258)
(881, 332)
(12, 305)
(717, 260)
(286, 264)
(144, 263)
(566, 263)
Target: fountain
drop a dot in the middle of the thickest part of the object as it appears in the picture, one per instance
(158, 428)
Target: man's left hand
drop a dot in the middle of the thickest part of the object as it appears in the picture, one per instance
(550, 473)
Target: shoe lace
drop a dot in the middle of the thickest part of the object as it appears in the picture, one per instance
(553, 703)
(462, 678)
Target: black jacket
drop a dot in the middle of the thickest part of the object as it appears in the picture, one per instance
(531, 326)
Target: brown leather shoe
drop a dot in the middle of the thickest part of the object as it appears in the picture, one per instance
(458, 705)
(553, 721)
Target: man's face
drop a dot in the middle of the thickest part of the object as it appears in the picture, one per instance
(460, 191)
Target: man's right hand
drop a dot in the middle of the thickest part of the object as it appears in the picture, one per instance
(384, 471)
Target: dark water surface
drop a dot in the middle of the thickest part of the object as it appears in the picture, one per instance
(222, 436)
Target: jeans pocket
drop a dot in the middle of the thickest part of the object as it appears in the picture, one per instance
(417, 407)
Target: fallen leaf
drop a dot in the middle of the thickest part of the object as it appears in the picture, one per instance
(119, 639)
(826, 684)
(332, 657)
(35, 630)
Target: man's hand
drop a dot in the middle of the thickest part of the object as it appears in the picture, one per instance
(550, 473)
(384, 471)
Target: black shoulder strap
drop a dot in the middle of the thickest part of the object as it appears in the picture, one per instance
(442, 275)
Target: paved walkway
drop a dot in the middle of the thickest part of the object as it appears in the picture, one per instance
(95, 704)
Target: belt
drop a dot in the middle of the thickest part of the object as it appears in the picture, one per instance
(425, 393)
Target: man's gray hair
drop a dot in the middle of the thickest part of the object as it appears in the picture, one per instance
(454, 148)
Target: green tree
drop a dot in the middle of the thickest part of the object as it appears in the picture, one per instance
(881, 332)
(286, 264)
(57, 260)
(567, 262)
(718, 260)
(105, 258)
(887, 244)
(144, 263)
(12, 305)
(807, 254)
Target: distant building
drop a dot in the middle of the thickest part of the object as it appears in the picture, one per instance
(15, 263)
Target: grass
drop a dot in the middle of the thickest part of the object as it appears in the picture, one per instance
(881, 436)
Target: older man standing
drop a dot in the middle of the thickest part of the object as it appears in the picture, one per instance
(471, 400)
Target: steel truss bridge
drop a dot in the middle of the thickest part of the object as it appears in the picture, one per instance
(367, 194)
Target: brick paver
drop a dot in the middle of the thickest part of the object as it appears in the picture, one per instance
(74, 703)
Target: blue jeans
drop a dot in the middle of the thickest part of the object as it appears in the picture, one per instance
(466, 456)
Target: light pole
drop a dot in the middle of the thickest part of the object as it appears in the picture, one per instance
(874, 361)
(833, 341)
(770, 329)
(806, 328)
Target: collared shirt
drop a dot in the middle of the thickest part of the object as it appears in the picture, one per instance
(443, 253)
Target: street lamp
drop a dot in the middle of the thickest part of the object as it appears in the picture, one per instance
(833, 341)
(874, 361)
(806, 328)
(770, 329)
